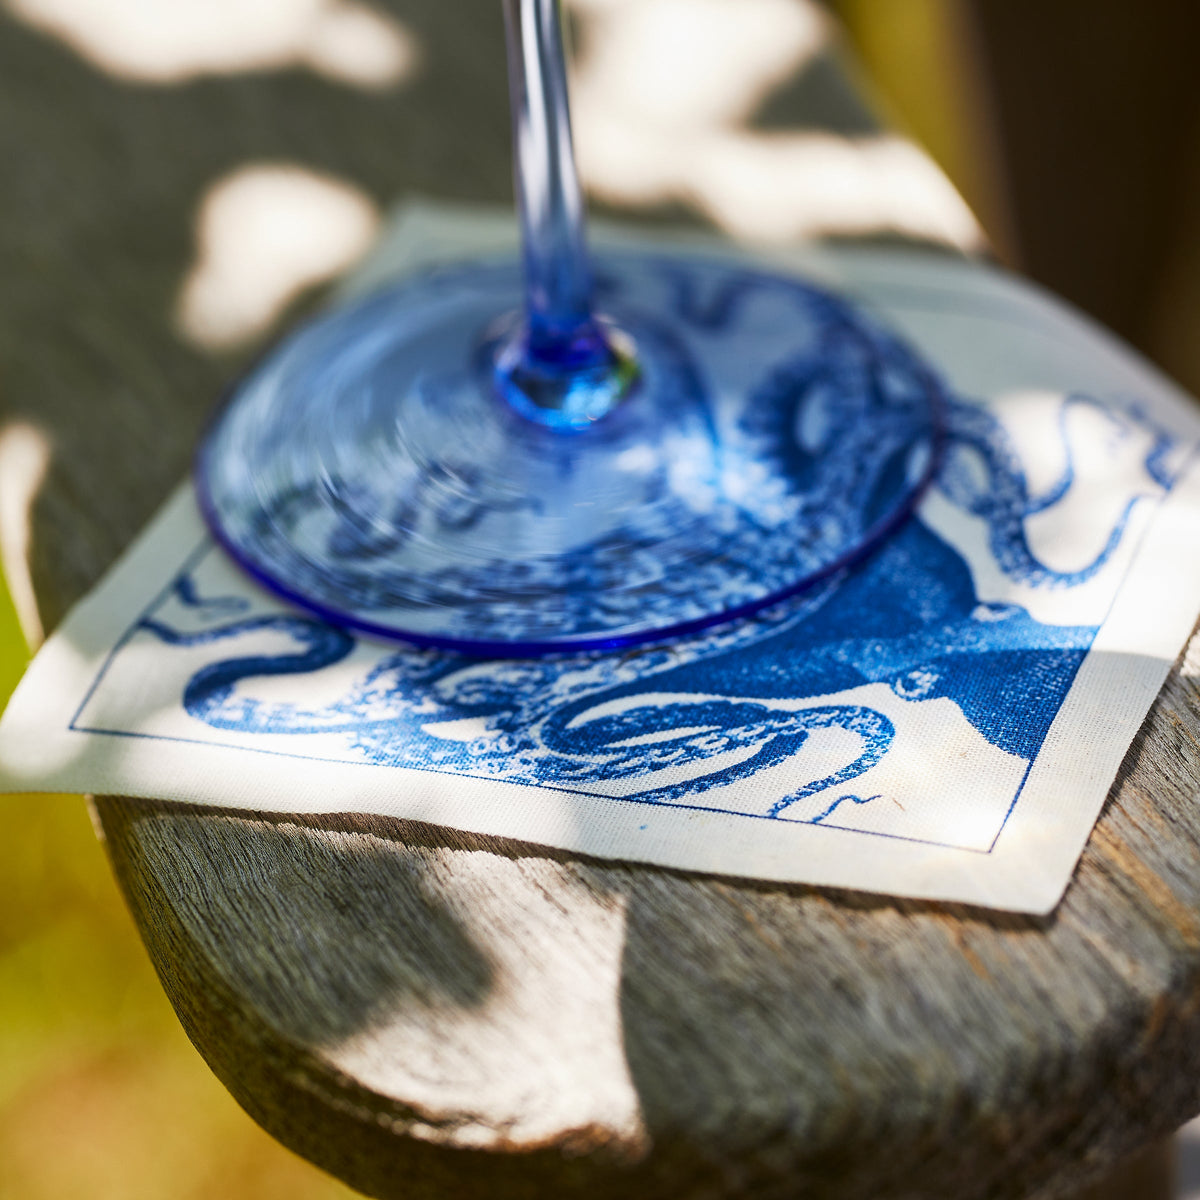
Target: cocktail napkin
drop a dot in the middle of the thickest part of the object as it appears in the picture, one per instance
(942, 721)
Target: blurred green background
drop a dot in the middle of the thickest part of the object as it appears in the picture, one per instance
(101, 1094)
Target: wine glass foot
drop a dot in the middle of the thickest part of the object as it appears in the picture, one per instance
(565, 383)
(398, 466)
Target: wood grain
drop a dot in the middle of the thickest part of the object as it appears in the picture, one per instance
(431, 1014)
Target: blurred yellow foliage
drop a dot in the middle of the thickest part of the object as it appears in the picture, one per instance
(101, 1094)
(923, 70)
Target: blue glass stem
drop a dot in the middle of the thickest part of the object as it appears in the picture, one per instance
(562, 367)
(557, 272)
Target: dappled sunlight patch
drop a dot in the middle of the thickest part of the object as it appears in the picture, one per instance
(663, 105)
(170, 43)
(24, 460)
(780, 187)
(691, 63)
(263, 234)
(542, 1048)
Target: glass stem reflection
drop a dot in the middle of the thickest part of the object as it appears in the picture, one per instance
(561, 367)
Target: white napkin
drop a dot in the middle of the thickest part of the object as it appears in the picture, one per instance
(943, 721)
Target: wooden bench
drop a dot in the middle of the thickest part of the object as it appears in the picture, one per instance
(426, 1013)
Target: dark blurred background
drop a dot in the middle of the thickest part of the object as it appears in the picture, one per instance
(1072, 130)
(196, 168)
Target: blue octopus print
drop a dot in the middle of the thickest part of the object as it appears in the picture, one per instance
(833, 674)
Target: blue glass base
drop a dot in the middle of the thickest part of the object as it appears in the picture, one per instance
(378, 469)
(565, 383)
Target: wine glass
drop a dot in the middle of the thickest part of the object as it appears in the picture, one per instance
(564, 452)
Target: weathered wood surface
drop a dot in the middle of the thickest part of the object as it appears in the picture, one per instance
(430, 1014)
(1150, 1174)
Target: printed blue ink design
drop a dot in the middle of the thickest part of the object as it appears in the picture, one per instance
(1001, 497)
(849, 797)
(668, 724)
(804, 703)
